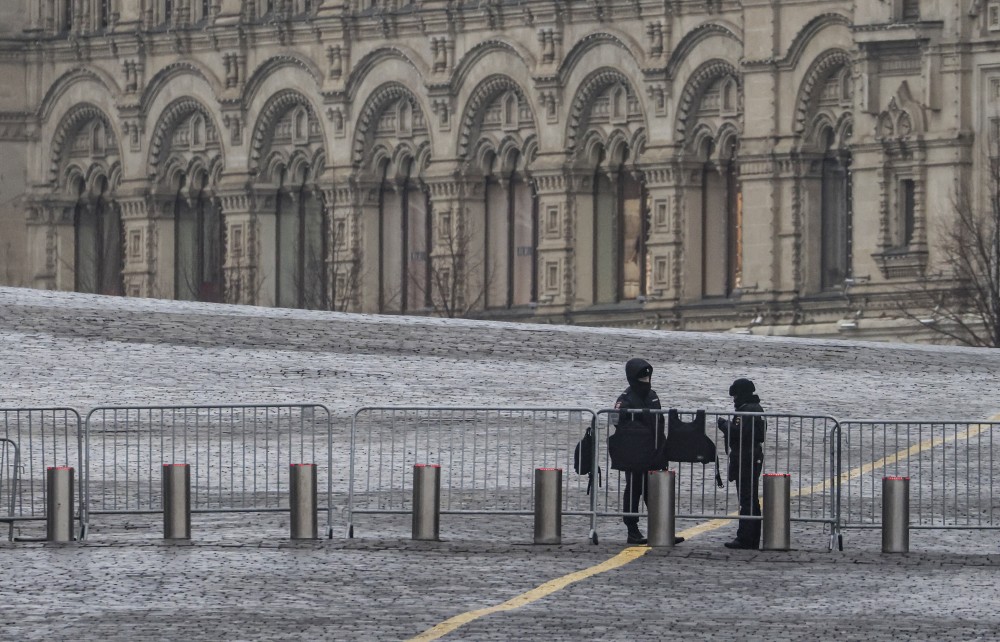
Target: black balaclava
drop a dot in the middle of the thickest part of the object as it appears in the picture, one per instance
(742, 391)
(637, 369)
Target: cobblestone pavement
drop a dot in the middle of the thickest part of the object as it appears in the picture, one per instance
(242, 578)
(394, 589)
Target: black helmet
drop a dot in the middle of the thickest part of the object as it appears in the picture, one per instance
(741, 387)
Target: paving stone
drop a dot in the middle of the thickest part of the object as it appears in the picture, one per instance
(242, 578)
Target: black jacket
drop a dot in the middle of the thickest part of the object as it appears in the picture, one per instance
(744, 436)
(635, 401)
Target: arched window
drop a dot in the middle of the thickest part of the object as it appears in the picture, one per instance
(66, 19)
(721, 221)
(836, 216)
(620, 260)
(97, 144)
(511, 240)
(197, 132)
(198, 243)
(85, 242)
(404, 117)
(98, 242)
(404, 232)
(301, 245)
(728, 98)
(618, 103)
(104, 14)
(510, 108)
(300, 126)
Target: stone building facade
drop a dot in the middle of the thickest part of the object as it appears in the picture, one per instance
(779, 167)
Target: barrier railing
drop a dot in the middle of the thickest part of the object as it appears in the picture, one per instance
(951, 466)
(44, 437)
(239, 456)
(487, 456)
(804, 446)
(10, 466)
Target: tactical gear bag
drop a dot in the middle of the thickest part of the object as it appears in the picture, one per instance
(687, 442)
(583, 459)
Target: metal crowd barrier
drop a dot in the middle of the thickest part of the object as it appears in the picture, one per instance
(487, 456)
(804, 446)
(10, 467)
(951, 465)
(239, 456)
(42, 438)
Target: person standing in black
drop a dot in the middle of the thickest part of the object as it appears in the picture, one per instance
(634, 405)
(745, 446)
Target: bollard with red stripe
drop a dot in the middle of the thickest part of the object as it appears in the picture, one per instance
(548, 505)
(59, 504)
(777, 512)
(895, 514)
(426, 502)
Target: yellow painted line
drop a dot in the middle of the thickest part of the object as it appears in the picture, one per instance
(635, 552)
(537, 593)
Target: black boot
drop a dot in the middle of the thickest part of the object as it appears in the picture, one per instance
(635, 536)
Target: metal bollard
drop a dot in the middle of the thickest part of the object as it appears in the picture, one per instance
(426, 501)
(777, 512)
(176, 501)
(895, 514)
(59, 504)
(303, 501)
(660, 493)
(548, 505)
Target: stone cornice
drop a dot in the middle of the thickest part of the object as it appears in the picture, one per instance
(17, 126)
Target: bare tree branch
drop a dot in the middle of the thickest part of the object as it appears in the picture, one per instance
(962, 303)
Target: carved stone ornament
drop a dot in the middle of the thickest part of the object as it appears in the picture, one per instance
(893, 123)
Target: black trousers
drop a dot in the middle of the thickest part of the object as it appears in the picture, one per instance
(635, 489)
(747, 486)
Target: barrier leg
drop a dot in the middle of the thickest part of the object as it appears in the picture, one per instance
(777, 512)
(660, 490)
(426, 502)
(59, 509)
(895, 514)
(176, 501)
(303, 501)
(548, 505)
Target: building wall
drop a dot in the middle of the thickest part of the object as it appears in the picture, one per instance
(14, 137)
(367, 156)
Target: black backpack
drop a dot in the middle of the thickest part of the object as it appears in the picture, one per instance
(583, 458)
(687, 442)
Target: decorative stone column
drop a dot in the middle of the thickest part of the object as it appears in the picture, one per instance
(663, 244)
(557, 213)
(148, 248)
(687, 188)
(457, 281)
(359, 201)
(345, 255)
(241, 268)
(51, 243)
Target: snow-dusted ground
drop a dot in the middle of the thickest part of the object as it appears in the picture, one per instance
(84, 351)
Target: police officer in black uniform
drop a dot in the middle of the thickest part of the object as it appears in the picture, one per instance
(638, 397)
(745, 446)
